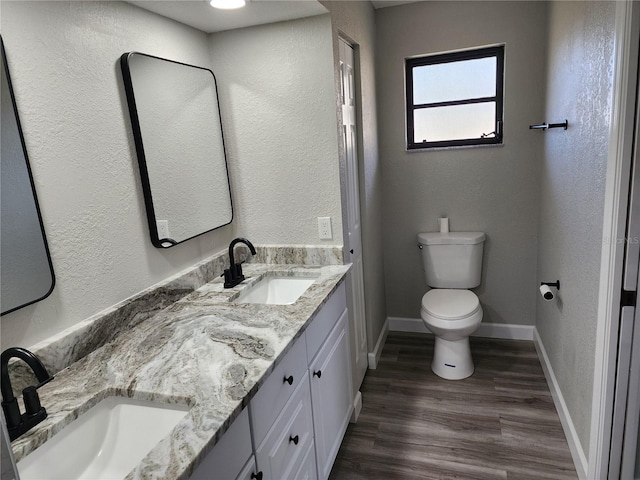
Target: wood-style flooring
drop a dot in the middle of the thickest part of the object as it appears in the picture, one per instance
(500, 423)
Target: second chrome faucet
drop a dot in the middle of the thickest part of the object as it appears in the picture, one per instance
(233, 275)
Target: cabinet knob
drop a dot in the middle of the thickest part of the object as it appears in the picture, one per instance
(295, 439)
(288, 380)
(317, 374)
(257, 476)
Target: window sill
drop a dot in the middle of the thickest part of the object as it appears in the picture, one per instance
(457, 147)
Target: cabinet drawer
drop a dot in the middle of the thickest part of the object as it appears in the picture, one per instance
(229, 455)
(307, 470)
(326, 318)
(275, 392)
(283, 449)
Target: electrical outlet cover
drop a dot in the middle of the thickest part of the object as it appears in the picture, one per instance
(163, 229)
(324, 228)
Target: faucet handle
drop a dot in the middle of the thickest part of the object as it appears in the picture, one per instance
(31, 399)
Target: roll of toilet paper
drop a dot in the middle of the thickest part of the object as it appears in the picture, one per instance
(444, 225)
(546, 292)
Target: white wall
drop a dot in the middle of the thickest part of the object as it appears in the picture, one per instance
(278, 101)
(579, 88)
(278, 106)
(490, 189)
(64, 62)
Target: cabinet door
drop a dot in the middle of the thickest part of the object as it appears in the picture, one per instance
(229, 455)
(283, 448)
(330, 374)
(307, 470)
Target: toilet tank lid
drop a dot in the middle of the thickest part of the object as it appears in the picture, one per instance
(451, 238)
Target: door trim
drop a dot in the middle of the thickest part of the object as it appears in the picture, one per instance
(626, 39)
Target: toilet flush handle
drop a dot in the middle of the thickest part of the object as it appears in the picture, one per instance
(420, 246)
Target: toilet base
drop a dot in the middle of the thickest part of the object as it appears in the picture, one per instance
(452, 359)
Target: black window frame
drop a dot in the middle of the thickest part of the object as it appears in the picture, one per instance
(411, 63)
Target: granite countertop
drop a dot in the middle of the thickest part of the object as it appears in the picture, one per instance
(203, 351)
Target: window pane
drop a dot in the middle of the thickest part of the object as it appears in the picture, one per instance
(459, 122)
(459, 80)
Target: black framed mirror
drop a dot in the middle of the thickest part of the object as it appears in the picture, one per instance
(177, 130)
(26, 271)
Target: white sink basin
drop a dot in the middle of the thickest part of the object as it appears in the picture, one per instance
(275, 290)
(106, 442)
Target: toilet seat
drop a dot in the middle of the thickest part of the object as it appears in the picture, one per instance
(450, 304)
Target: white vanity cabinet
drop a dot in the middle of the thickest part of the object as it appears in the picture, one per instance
(299, 415)
(276, 391)
(231, 456)
(282, 451)
(331, 397)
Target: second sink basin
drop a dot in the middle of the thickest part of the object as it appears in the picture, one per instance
(275, 290)
(106, 442)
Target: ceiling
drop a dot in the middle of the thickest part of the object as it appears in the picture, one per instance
(198, 13)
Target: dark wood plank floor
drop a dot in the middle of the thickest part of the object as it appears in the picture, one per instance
(500, 423)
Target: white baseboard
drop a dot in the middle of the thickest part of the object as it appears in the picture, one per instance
(489, 330)
(374, 357)
(357, 407)
(577, 453)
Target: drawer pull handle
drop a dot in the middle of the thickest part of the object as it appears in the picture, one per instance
(295, 439)
(288, 380)
(317, 374)
(257, 476)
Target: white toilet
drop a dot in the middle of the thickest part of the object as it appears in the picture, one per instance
(452, 263)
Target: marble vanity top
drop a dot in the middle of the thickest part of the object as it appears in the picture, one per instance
(204, 351)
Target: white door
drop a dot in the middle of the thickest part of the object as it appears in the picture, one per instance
(353, 247)
(624, 456)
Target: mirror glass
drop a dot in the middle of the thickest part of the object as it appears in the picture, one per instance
(26, 272)
(178, 135)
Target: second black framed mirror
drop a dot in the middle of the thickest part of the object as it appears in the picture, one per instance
(177, 129)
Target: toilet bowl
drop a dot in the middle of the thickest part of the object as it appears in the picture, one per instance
(451, 315)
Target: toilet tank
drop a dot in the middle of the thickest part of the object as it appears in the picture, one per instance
(452, 260)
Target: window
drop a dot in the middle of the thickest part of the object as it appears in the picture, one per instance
(455, 99)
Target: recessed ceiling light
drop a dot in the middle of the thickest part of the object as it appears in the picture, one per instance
(227, 4)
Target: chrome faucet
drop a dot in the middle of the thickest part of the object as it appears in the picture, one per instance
(17, 423)
(233, 275)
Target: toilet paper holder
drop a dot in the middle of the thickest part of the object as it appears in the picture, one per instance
(546, 292)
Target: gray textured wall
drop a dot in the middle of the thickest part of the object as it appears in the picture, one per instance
(494, 189)
(64, 62)
(277, 99)
(356, 20)
(579, 82)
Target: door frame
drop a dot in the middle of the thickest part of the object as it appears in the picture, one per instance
(340, 36)
(621, 132)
